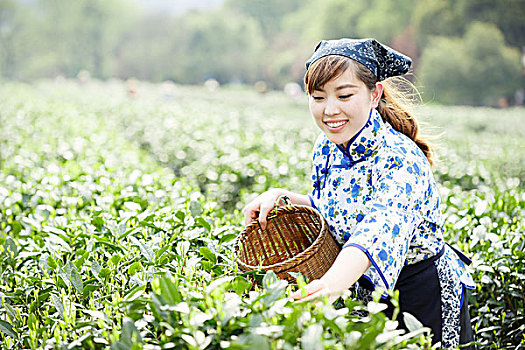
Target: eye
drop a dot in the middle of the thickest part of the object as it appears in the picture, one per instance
(344, 97)
(318, 98)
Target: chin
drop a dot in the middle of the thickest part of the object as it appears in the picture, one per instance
(336, 140)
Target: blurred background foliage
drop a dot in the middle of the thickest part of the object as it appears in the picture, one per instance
(464, 51)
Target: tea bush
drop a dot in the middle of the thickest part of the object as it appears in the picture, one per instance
(118, 218)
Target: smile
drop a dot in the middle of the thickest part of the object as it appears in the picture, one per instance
(336, 124)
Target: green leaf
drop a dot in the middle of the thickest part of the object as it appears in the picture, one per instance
(95, 268)
(51, 262)
(161, 251)
(195, 208)
(170, 291)
(208, 254)
(180, 215)
(182, 248)
(127, 233)
(115, 259)
(7, 329)
(16, 227)
(58, 304)
(269, 278)
(10, 246)
(132, 206)
(227, 237)
(241, 285)
(114, 247)
(201, 221)
(79, 262)
(11, 312)
(412, 323)
(299, 277)
(144, 249)
(130, 338)
(258, 342)
(130, 334)
(56, 231)
(88, 288)
(76, 280)
(190, 340)
(65, 277)
(32, 322)
(98, 222)
(133, 268)
(104, 272)
(135, 293)
(216, 283)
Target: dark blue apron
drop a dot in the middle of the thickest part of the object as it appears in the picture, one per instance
(420, 295)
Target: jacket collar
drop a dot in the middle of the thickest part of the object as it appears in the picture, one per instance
(359, 148)
(366, 141)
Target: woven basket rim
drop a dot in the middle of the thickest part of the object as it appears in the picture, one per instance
(299, 258)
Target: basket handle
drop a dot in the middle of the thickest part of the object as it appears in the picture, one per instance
(282, 199)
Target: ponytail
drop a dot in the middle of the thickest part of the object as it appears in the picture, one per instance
(395, 105)
(395, 108)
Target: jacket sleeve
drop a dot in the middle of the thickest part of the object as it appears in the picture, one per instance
(390, 219)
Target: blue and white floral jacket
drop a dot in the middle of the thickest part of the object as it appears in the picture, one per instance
(378, 194)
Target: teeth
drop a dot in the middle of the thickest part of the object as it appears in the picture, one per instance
(335, 124)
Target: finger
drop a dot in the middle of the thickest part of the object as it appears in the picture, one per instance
(249, 213)
(247, 216)
(308, 290)
(248, 219)
(263, 213)
(314, 296)
(317, 295)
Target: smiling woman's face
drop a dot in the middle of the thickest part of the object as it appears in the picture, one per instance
(341, 107)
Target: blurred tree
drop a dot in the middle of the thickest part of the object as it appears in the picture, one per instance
(444, 66)
(149, 50)
(82, 34)
(385, 19)
(507, 15)
(452, 18)
(17, 35)
(333, 19)
(329, 19)
(436, 18)
(476, 69)
(281, 45)
(219, 45)
(267, 13)
(249, 40)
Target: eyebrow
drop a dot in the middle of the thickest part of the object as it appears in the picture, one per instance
(344, 86)
(341, 87)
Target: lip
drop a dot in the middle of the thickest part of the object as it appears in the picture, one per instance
(338, 128)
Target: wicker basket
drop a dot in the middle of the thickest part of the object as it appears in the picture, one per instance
(296, 239)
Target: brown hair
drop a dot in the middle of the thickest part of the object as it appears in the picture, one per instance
(395, 105)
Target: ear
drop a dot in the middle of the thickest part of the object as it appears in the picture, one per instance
(376, 94)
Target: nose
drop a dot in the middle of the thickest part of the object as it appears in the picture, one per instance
(332, 107)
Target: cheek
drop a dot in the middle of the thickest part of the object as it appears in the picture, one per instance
(311, 106)
(315, 109)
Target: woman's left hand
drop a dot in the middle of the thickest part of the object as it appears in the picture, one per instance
(315, 290)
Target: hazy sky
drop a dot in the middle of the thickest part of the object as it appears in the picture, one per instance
(178, 6)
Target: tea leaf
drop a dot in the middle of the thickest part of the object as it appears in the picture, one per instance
(412, 323)
(208, 254)
(76, 280)
(7, 329)
(144, 249)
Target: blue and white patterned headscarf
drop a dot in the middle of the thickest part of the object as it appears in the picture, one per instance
(382, 60)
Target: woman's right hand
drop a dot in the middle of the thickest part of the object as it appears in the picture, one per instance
(261, 206)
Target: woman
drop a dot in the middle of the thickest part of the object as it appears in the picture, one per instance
(374, 186)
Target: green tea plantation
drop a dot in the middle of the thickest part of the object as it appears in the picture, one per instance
(119, 214)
